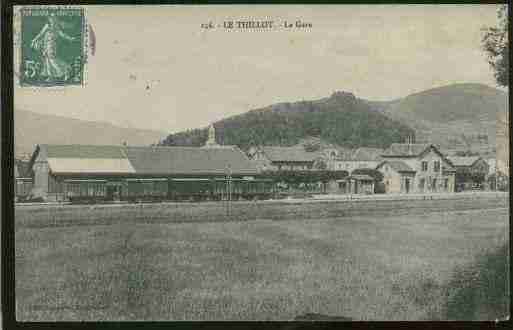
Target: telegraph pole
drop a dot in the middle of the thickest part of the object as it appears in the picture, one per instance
(228, 173)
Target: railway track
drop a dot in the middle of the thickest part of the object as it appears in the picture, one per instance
(52, 215)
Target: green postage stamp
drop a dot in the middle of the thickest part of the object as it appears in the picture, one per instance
(53, 51)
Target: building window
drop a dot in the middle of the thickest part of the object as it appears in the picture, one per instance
(422, 183)
(437, 166)
(446, 183)
(424, 166)
(434, 184)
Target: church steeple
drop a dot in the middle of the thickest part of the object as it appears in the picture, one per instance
(211, 141)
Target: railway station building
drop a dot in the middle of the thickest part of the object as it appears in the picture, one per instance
(108, 169)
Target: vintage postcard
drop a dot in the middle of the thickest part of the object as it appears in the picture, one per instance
(254, 163)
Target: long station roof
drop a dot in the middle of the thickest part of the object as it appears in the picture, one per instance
(93, 159)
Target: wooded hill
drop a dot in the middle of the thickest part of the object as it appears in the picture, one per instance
(340, 119)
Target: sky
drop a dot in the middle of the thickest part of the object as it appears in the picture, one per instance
(156, 68)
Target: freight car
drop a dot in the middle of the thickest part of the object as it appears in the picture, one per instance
(220, 189)
(154, 189)
(160, 189)
(240, 189)
(85, 190)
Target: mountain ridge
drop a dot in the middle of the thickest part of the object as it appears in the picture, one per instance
(32, 128)
(459, 116)
(474, 96)
(443, 115)
(456, 116)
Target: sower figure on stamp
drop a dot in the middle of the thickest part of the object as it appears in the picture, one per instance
(46, 42)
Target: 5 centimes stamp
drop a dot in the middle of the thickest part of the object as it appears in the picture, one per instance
(52, 46)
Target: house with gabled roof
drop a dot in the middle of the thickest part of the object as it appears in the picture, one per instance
(471, 171)
(416, 168)
(273, 158)
(359, 158)
(470, 163)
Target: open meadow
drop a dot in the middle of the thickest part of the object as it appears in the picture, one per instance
(393, 266)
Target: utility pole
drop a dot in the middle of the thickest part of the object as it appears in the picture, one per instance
(228, 173)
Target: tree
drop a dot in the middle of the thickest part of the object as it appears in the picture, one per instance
(320, 164)
(495, 44)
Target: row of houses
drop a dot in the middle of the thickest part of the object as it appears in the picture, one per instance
(406, 167)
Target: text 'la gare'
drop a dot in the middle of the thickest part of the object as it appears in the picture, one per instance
(257, 25)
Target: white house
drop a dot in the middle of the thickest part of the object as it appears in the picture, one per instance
(416, 168)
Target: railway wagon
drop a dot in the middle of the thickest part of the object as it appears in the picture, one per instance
(159, 189)
(151, 189)
(97, 190)
(85, 190)
(240, 189)
(200, 189)
(260, 189)
(191, 189)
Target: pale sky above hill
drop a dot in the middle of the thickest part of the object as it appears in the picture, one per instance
(198, 76)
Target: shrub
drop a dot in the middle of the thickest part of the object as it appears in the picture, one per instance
(480, 290)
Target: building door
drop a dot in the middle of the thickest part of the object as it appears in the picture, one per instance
(407, 185)
(342, 186)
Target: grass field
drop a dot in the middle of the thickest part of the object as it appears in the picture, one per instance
(366, 267)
